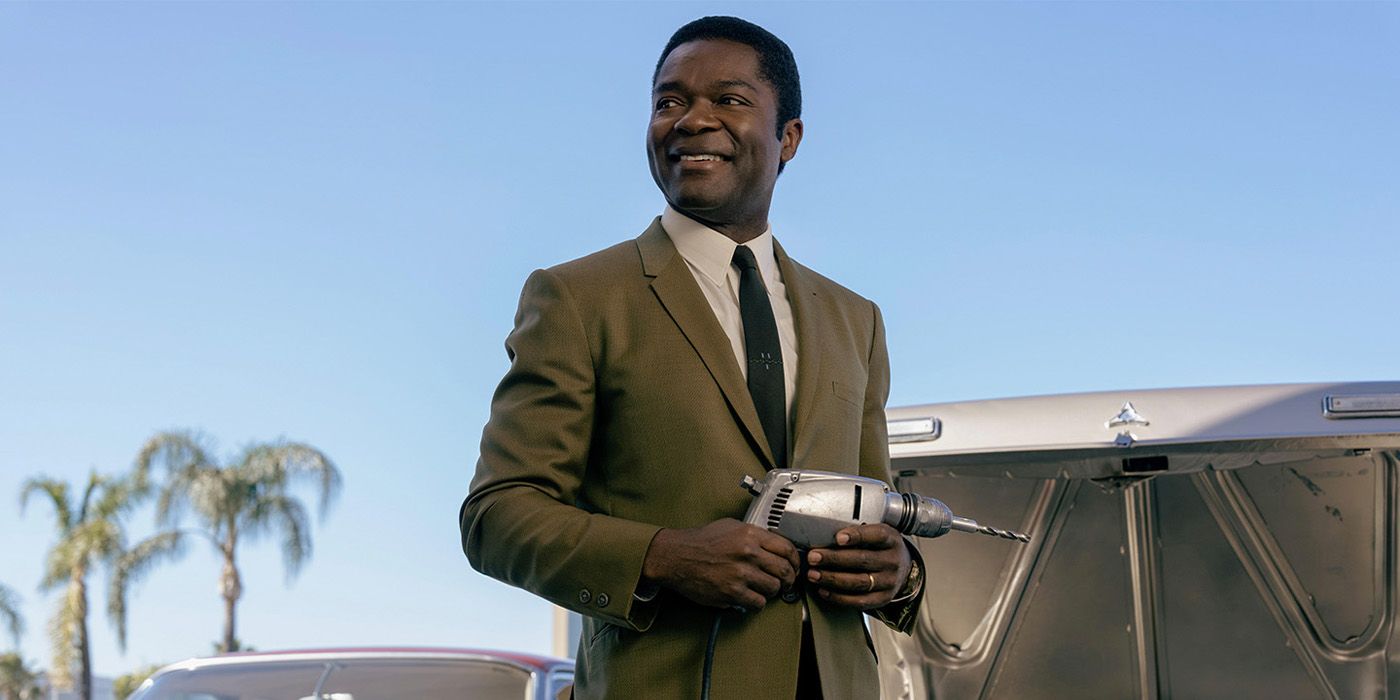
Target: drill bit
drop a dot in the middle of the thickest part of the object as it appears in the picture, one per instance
(970, 525)
(1004, 534)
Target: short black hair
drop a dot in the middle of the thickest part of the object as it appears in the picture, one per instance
(775, 62)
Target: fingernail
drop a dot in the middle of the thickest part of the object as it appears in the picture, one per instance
(823, 593)
(842, 538)
(814, 558)
(814, 576)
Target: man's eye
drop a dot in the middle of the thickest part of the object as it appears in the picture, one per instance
(666, 103)
(732, 100)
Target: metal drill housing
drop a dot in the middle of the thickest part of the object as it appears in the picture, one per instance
(810, 507)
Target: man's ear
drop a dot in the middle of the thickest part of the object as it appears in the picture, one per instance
(792, 136)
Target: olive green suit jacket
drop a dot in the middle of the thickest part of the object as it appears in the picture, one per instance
(624, 411)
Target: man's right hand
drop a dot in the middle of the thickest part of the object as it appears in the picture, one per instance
(724, 564)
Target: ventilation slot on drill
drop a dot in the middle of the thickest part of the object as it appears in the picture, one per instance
(775, 514)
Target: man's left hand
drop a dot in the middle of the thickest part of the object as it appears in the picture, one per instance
(864, 570)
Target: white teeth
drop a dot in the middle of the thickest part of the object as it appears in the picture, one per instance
(705, 156)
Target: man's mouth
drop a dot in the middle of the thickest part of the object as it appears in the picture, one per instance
(700, 157)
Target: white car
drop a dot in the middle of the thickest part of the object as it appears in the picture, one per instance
(387, 673)
(1231, 543)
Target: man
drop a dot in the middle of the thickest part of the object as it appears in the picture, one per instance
(649, 378)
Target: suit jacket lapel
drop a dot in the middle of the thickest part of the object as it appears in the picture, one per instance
(805, 315)
(675, 287)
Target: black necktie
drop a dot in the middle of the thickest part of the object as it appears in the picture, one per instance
(764, 354)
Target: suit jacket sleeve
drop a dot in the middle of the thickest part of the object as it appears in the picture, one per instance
(520, 522)
(875, 461)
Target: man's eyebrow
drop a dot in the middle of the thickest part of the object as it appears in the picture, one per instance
(677, 86)
(735, 82)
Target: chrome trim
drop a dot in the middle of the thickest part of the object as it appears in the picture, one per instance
(1342, 406)
(1127, 416)
(258, 657)
(914, 429)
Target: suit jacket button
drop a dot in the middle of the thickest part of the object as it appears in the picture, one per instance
(584, 596)
(602, 600)
(791, 596)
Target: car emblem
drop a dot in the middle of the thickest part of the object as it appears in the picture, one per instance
(1127, 416)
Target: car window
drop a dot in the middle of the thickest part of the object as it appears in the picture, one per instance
(354, 679)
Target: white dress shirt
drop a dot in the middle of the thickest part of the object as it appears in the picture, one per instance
(710, 255)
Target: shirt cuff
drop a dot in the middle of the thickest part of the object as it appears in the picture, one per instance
(646, 591)
(912, 584)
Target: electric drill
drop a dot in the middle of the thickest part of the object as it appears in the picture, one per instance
(810, 507)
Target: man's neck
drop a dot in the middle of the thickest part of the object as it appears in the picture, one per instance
(738, 231)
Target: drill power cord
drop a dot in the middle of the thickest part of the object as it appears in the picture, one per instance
(710, 656)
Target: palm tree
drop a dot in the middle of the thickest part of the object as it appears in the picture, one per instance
(123, 686)
(89, 534)
(17, 682)
(242, 499)
(9, 613)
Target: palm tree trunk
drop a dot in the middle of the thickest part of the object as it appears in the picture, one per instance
(232, 589)
(84, 648)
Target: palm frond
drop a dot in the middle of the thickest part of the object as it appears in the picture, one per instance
(185, 456)
(57, 491)
(95, 482)
(174, 497)
(117, 497)
(206, 535)
(209, 493)
(131, 567)
(9, 613)
(279, 464)
(180, 451)
(285, 516)
(59, 564)
(103, 539)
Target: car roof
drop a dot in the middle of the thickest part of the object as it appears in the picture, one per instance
(1101, 421)
(527, 662)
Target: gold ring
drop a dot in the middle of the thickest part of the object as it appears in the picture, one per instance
(872, 582)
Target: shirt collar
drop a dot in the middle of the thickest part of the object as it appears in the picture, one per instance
(712, 252)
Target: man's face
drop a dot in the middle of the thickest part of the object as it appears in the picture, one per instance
(713, 143)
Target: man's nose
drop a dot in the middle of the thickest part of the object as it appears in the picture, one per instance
(698, 117)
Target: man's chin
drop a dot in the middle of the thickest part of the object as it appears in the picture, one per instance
(697, 205)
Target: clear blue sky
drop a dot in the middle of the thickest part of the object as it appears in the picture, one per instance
(312, 220)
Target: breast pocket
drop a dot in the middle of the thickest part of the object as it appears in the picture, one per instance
(839, 439)
(848, 394)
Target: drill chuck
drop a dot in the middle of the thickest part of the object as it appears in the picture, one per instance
(922, 516)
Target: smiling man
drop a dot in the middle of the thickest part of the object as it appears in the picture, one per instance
(649, 378)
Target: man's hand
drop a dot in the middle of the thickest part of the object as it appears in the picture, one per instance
(865, 570)
(724, 564)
